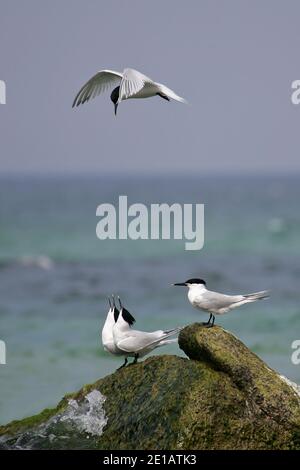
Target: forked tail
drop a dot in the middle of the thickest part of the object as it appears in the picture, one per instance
(172, 332)
(264, 294)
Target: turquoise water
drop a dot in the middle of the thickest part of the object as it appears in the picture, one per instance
(55, 274)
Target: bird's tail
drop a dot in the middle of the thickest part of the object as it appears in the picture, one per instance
(264, 294)
(163, 342)
(172, 332)
(170, 93)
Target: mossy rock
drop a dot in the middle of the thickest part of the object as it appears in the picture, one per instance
(223, 397)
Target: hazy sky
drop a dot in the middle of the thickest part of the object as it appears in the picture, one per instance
(233, 60)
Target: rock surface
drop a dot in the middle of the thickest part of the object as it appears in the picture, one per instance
(223, 397)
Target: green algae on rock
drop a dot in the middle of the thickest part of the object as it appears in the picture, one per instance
(223, 397)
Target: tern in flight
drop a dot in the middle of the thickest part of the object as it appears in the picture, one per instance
(130, 84)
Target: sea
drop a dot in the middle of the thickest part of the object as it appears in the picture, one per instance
(56, 275)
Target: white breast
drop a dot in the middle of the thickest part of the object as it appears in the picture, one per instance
(195, 296)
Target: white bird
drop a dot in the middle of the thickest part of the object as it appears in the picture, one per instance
(107, 330)
(131, 84)
(137, 343)
(216, 303)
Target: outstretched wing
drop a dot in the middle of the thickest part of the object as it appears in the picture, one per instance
(99, 83)
(132, 82)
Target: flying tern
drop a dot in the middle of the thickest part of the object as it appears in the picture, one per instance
(216, 303)
(130, 84)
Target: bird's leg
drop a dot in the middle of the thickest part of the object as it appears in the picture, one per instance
(208, 322)
(163, 96)
(136, 356)
(123, 365)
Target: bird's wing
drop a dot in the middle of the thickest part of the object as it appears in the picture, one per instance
(140, 340)
(216, 300)
(132, 82)
(99, 83)
(134, 343)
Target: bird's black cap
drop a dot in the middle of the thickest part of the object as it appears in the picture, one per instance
(116, 313)
(191, 281)
(128, 317)
(114, 96)
(195, 281)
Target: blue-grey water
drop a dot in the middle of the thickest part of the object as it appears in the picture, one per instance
(55, 274)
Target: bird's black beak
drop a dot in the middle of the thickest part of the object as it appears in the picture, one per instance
(116, 107)
(180, 284)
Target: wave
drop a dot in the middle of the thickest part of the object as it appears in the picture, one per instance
(30, 261)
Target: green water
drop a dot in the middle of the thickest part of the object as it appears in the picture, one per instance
(52, 308)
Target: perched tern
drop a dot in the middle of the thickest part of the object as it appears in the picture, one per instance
(216, 303)
(136, 343)
(131, 84)
(107, 331)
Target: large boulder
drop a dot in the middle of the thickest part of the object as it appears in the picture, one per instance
(222, 397)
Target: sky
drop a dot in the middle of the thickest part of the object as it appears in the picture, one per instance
(234, 61)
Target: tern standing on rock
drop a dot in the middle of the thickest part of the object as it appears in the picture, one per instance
(107, 330)
(137, 343)
(131, 84)
(216, 303)
(108, 341)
